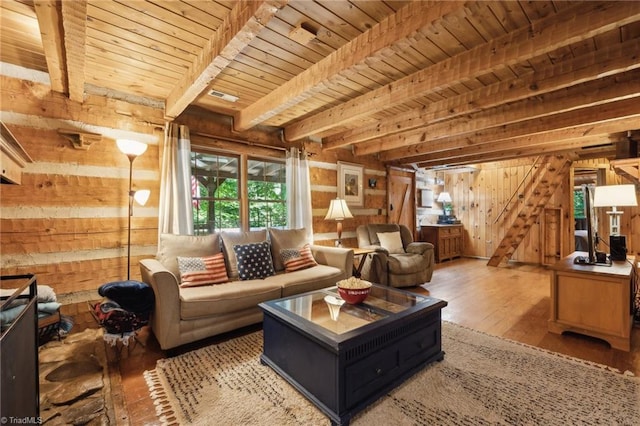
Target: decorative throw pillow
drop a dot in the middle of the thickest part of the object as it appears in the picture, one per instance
(254, 260)
(296, 259)
(391, 241)
(195, 271)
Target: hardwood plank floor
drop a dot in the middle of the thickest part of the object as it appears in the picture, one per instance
(511, 301)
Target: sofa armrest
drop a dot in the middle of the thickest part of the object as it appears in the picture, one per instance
(165, 319)
(419, 247)
(338, 257)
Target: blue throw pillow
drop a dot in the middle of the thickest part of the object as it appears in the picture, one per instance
(134, 296)
(254, 260)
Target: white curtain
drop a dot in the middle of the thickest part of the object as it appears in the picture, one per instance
(175, 215)
(299, 214)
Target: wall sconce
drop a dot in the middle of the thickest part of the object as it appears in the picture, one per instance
(132, 149)
(338, 211)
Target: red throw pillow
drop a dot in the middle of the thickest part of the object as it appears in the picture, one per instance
(296, 259)
(195, 271)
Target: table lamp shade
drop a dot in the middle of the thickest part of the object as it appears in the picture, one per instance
(338, 210)
(615, 196)
(444, 197)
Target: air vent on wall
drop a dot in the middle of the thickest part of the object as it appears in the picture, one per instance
(224, 96)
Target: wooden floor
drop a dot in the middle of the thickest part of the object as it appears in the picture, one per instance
(511, 301)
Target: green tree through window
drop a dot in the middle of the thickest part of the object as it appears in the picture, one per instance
(215, 186)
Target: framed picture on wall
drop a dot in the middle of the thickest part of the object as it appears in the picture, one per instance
(350, 183)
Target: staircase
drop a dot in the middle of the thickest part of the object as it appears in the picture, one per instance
(545, 180)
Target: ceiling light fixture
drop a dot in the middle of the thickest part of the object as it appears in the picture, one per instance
(223, 96)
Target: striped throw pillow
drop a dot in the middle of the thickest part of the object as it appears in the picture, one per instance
(296, 259)
(195, 271)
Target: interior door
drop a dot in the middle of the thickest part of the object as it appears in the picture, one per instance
(401, 206)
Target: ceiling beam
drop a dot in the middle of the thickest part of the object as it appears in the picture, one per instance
(585, 118)
(515, 148)
(585, 152)
(593, 93)
(371, 46)
(463, 147)
(74, 22)
(49, 16)
(239, 28)
(568, 26)
(593, 65)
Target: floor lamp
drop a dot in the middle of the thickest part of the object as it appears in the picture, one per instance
(132, 149)
(338, 211)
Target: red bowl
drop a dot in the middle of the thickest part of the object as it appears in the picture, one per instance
(354, 295)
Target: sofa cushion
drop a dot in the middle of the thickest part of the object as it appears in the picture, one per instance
(285, 239)
(314, 278)
(171, 246)
(195, 271)
(230, 297)
(391, 241)
(296, 259)
(254, 260)
(230, 239)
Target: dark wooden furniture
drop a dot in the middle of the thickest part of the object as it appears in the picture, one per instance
(361, 255)
(447, 240)
(19, 384)
(593, 300)
(343, 365)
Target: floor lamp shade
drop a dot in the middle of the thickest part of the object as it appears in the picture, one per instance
(338, 211)
(130, 147)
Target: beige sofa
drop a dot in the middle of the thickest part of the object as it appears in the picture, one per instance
(187, 314)
(411, 265)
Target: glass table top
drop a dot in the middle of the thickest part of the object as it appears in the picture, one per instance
(326, 309)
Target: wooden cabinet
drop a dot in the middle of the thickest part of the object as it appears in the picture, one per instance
(447, 240)
(593, 300)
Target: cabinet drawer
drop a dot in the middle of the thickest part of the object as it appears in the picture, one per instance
(421, 345)
(371, 373)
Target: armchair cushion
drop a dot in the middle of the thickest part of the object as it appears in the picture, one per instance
(391, 241)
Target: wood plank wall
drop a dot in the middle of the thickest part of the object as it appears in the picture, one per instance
(67, 221)
(479, 197)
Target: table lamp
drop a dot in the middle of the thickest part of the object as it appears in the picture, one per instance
(445, 199)
(615, 196)
(338, 211)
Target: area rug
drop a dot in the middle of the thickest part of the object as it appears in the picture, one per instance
(483, 380)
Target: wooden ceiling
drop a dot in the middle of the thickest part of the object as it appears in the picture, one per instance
(418, 84)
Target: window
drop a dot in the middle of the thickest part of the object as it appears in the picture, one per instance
(267, 194)
(215, 192)
(216, 181)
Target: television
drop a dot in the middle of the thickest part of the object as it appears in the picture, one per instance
(593, 257)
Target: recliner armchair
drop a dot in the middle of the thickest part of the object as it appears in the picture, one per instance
(411, 268)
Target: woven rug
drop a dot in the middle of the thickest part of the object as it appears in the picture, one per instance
(483, 380)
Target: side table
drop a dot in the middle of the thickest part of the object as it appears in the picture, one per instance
(361, 253)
